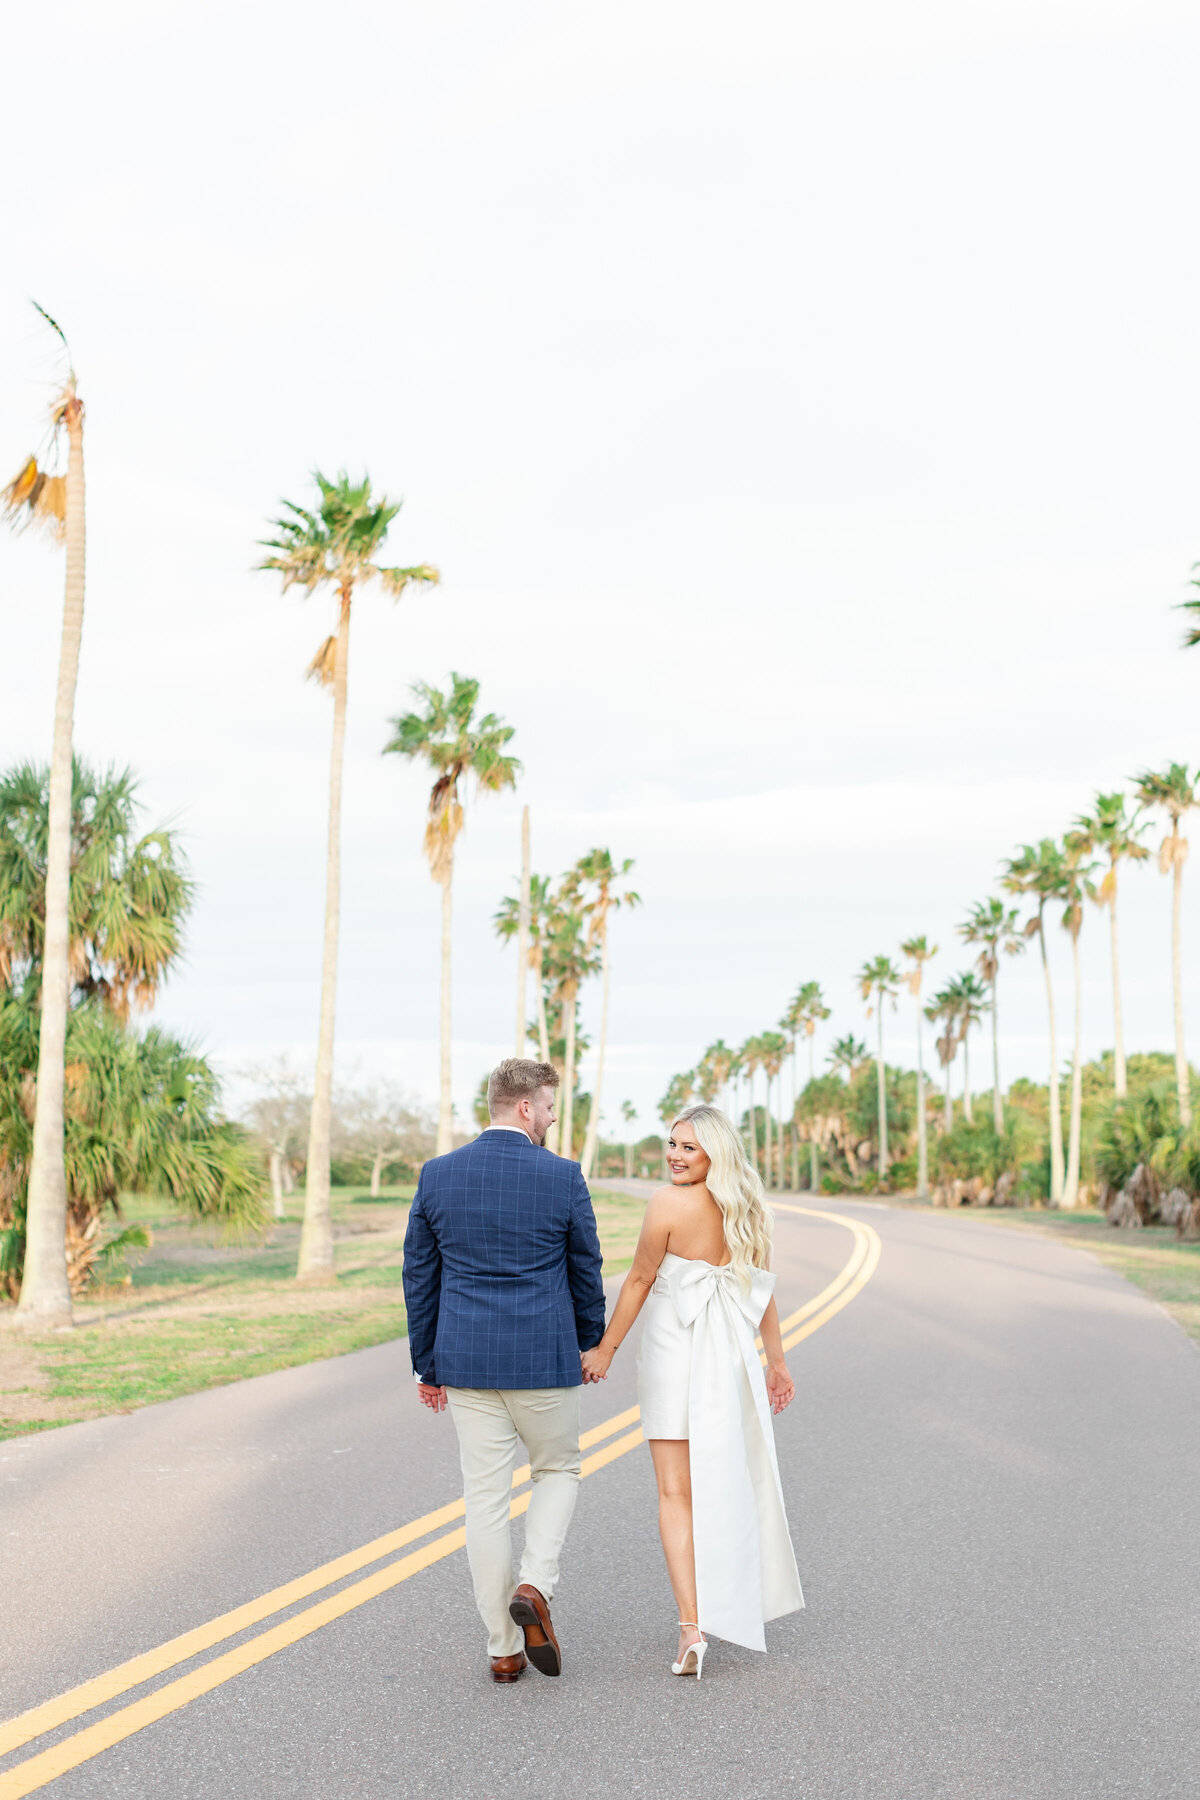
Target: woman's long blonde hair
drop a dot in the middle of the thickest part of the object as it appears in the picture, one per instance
(736, 1187)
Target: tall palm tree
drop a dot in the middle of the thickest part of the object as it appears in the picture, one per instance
(459, 748)
(969, 1000)
(599, 877)
(1038, 873)
(750, 1061)
(879, 981)
(1174, 791)
(337, 544)
(628, 1114)
(570, 959)
(720, 1059)
(995, 928)
(507, 924)
(523, 908)
(811, 1011)
(1076, 886)
(917, 951)
(1115, 834)
(56, 503)
(943, 1010)
(773, 1047)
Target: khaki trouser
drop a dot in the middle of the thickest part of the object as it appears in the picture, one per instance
(489, 1421)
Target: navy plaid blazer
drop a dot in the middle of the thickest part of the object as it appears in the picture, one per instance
(502, 1267)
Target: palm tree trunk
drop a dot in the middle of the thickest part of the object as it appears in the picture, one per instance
(45, 1290)
(753, 1120)
(814, 1161)
(948, 1105)
(377, 1173)
(543, 1031)
(768, 1166)
(628, 1162)
(445, 1130)
(792, 1127)
(1182, 1078)
(1071, 1190)
(1118, 1026)
(568, 1105)
(997, 1102)
(1056, 1144)
(882, 1100)
(316, 1236)
(968, 1115)
(523, 939)
(922, 1130)
(592, 1135)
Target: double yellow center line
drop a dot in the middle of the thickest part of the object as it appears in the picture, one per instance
(36, 1771)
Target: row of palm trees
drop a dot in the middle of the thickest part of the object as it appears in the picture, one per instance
(562, 936)
(1082, 866)
(333, 545)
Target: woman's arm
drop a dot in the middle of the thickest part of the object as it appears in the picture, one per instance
(781, 1389)
(651, 1248)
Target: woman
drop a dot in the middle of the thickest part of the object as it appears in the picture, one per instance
(702, 1265)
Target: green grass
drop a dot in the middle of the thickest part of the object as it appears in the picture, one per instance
(196, 1311)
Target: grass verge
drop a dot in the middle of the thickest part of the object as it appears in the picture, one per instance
(197, 1311)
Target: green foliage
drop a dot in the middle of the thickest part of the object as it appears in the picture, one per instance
(141, 1113)
(129, 894)
(1142, 1129)
(339, 541)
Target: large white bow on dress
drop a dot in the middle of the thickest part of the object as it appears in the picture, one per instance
(745, 1565)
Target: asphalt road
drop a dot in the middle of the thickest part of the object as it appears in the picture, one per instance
(993, 1475)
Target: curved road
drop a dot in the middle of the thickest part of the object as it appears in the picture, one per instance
(993, 1473)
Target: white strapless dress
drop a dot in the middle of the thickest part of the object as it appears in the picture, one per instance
(700, 1378)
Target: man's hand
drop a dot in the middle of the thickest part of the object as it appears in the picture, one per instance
(432, 1397)
(596, 1364)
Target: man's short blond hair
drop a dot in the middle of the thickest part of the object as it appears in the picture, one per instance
(516, 1079)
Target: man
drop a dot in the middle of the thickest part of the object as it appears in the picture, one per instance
(502, 1283)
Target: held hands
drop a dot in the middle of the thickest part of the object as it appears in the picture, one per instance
(432, 1397)
(781, 1389)
(596, 1363)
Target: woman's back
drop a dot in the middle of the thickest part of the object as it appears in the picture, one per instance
(695, 1226)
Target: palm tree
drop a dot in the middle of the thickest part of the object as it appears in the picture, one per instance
(994, 928)
(879, 981)
(599, 875)
(720, 1059)
(811, 1011)
(773, 1048)
(570, 959)
(1173, 790)
(917, 951)
(750, 1061)
(129, 895)
(507, 924)
(337, 544)
(970, 1002)
(523, 910)
(56, 503)
(847, 1054)
(943, 1009)
(1110, 830)
(1077, 885)
(458, 747)
(1039, 873)
(628, 1114)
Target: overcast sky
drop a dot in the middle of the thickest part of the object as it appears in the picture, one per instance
(800, 400)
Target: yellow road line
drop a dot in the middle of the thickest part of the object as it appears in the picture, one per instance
(78, 1700)
(36, 1771)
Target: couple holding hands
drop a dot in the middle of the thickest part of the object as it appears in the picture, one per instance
(506, 1320)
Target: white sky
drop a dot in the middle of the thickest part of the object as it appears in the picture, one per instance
(800, 400)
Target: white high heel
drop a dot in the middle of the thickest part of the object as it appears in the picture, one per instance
(694, 1654)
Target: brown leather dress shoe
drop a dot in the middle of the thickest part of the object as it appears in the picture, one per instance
(507, 1668)
(528, 1609)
